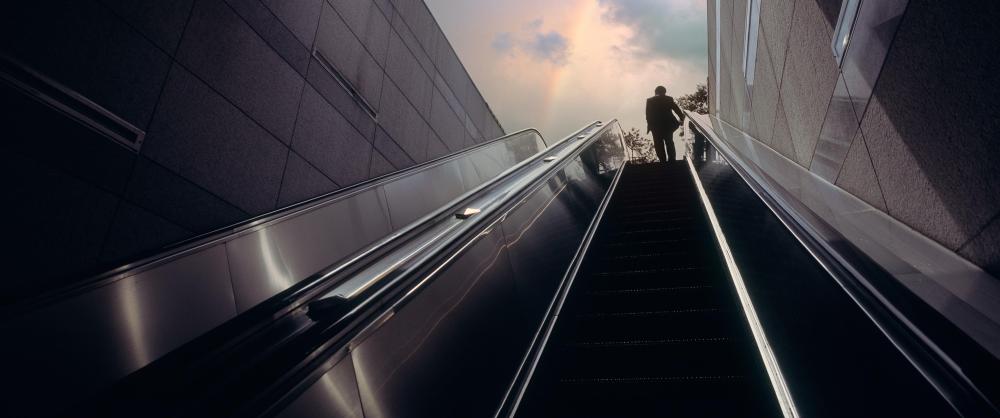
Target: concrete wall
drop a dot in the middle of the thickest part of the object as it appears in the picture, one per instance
(908, 123)
(240, 118)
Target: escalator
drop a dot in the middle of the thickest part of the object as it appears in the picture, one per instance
(520, 278)
(652, 325)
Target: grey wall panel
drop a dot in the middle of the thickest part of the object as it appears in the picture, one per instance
(162, 22)
(726, 81)
(765, 94)
(368, 23)
(874, 30)
(445, 123)
(380, 165)
(857, 176)
(50, 223)
(36, 131)
(385, 145)
(301, 17)
(331, 90)
(273, 31)
(177, 199)
(775, 24)
(217, 86)
(403, 123)
(278, 256)
(939, 176)
(419, 50)
(343, 49)
(451, 348)
(405, 71)
(435, 148)
(221, 49)
(201, 136)
(321, 131)
(809, 79)
(830, 10)
(136, 230)
(96, 338)
(112, 64)
(302, 181)
(782, 141)
(335, 394)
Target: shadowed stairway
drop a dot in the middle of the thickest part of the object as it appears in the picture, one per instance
(652, 325)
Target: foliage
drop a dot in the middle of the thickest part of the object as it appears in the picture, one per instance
(695, 102)
(640, 147)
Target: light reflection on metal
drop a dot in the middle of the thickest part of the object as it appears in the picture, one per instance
(467, 213)
(549, 159)
(277, 273)
(132, 308)
(763, 346)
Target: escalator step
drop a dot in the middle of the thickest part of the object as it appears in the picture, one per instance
(652, 326)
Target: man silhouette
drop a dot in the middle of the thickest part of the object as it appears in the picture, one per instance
(661, 122)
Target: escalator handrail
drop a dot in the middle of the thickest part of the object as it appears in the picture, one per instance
(219, 235)
(350, 289)
(394, 283)
(855, 276)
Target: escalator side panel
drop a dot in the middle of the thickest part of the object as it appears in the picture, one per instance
(449, 349)
(335, 394)
(807, 316)
(73, 358)
(454, 346)
(544, 233)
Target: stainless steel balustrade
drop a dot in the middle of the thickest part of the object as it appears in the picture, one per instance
(829, 221)
(451, 344)
(119, 322)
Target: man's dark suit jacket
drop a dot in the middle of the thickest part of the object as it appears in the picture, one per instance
(659, 116)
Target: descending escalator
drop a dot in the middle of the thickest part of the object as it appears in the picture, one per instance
(652, 325)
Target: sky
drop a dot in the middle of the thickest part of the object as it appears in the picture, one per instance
(557, 65)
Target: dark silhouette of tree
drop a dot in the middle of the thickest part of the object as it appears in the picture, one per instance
(640, 147)
(695, 102)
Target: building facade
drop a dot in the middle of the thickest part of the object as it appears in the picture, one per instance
(893, 101)
(134, 125)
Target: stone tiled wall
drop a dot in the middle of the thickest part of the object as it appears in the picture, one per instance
(240, 117)
(908, 123)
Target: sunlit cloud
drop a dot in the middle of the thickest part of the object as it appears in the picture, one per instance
(557, 65)
(503, 42)
(671, 29)
(552, 46)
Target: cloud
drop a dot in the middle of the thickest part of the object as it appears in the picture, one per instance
(503, 42)
(671, 29)
(549, 46)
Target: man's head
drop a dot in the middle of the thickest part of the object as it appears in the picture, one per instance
(660, 90)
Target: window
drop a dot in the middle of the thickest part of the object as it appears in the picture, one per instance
(750, 53)
(845, 25)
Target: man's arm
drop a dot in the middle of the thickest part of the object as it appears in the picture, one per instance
(675, 108)
(649, 117)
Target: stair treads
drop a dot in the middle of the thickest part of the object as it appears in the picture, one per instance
(651, 326)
